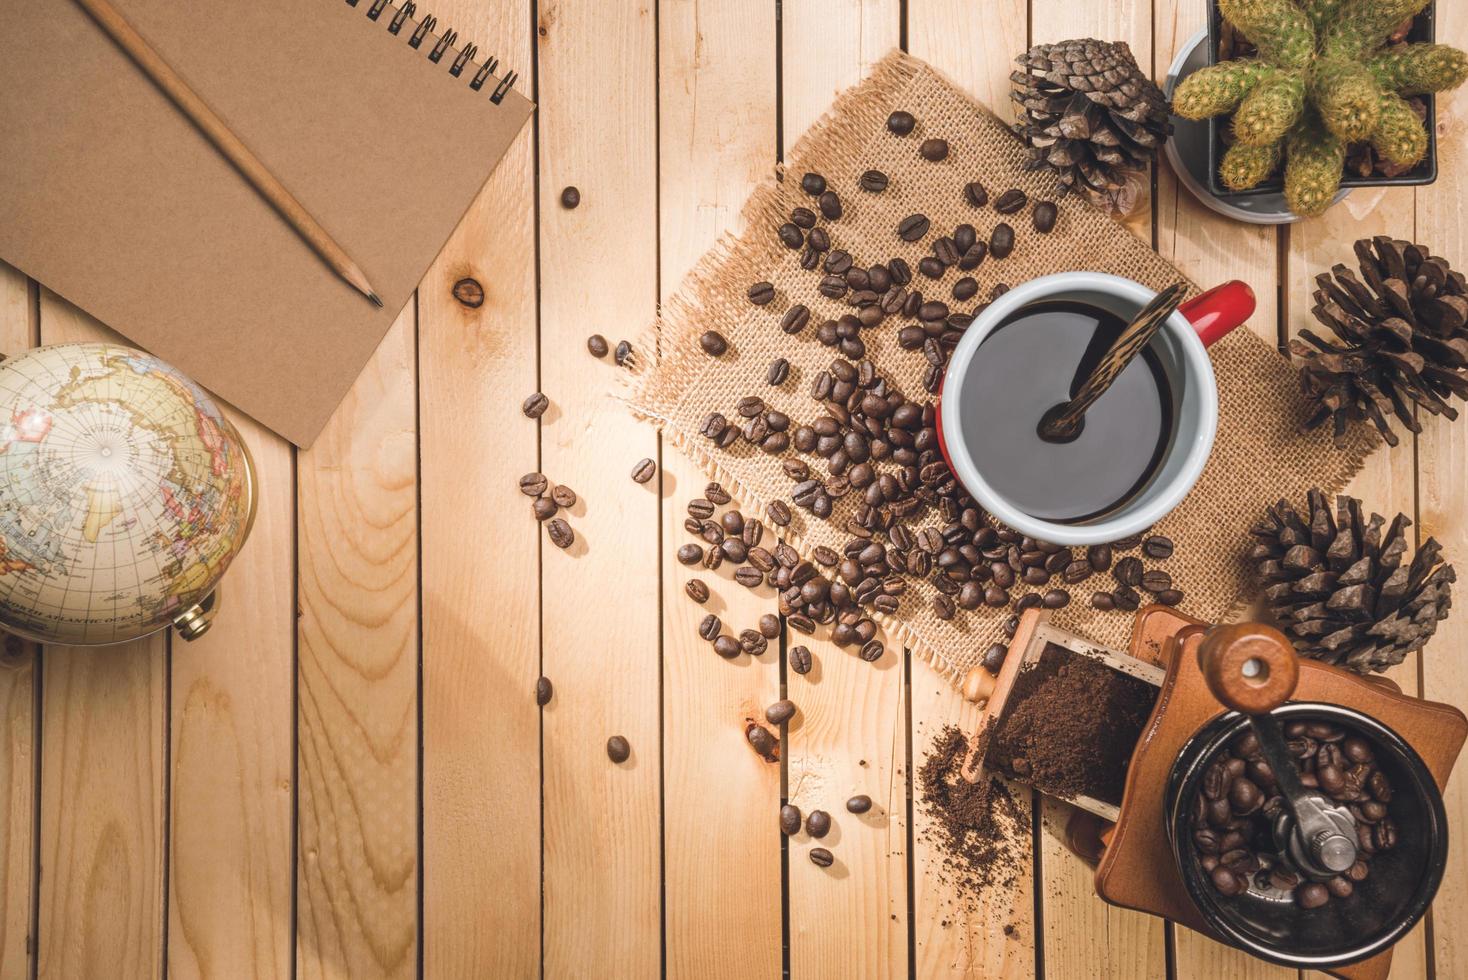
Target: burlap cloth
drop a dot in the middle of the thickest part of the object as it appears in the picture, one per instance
(1258, 456)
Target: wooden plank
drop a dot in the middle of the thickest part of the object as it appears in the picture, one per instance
(357, 643)
(850, 919)
(103, 783)
(1386, 484)
(599, 597)
(481, 562)
(17, 711)
(716, 94)
(231, 799)
(1442, 474)
(1083, 935)
(975, 45)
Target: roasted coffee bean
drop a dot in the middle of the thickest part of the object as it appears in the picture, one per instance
(943, 606)
(563, 496)
(965, 237)
(1126, 597)
(818, 823)
(900, 123)
(930, 267)
(1170, 597)
(859, 804)
(769, 626)
(709, 627)
(975, 193)
(831, 287)
(622, 353)
(830, 204)
(1128, 571)
(1056, 599)
(1384, 834)
(790, 235)
(645, 470)
(734, 549)
(821, 857)
(1103, 601)
(1099, 555)
(1357, 749)
(748, 576)
(1311, 895)
(697, 590)
(1227, 883)
(934, 149)
(765, 745)
(570, 197)
(597, 345)
(973, 256)
(800, 659)
(533, 484)
(1157, 546)
(1156, 581)
(1244, 797)
(781, 711)
(1044, 217)
(700, 508)
(618, 749)
(945, 251)
(1001, 240)
(534, 405)
(932, 311)
(1127, 543)
(813, 184)
(993, 658)
(543, 691)
(1077, 571)
(913, 227)
(779, 513)
(872, 651)
(560, 533)
(754, 531)
(761, 293)
(873, 182)
(789, 820)
(795, 319)
(726, 646)
(803, 218)
(837, 262)
(900, 271)
(713, 425)
(1010, 201)
(713, 343)
(965, 288)
(690, 554)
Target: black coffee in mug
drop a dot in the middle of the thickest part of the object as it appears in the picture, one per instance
(1036, 359)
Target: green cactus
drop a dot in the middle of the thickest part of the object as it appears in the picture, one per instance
(1323, 78)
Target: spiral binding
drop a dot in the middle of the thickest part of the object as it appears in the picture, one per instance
(404, 15)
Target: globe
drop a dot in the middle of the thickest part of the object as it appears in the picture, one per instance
(124, 495)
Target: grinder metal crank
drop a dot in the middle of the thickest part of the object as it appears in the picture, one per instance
(1215, 685)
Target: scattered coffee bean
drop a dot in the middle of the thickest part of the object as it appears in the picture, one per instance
(543, 691)
(560, 533)
(795, 319)
(644, 470)
(859, 804)
(1010, 201)
(597, 345)
(713, 343)
(790, 235)
(749, 577)
(821, 857)
(715, 493)
(769, 626)
(761, 293)
(726, 646)
(993, 658)
(943, 606)
(1170, 597)
(564, 496)
(965, 289)
(622, 353)
(697, 590)
(1099, 555)
(931, 267)
(709, 627)
(789, 820)
(544, 508)
(818, 823)
(1157, 546)
(913, 227)
(830, 205)
(1056, 599)
(779, 513)
(534, 406)
(934, 149)
(533, 484)
(803, 218)
(753, 642)
(813, 184)
(780, 712)
(765, 744)
(900, 123)
(618, 749)
(778, 372)
(1001, 241)
(1044, 217)
(1156, 581)
(1103, 601)
(469, 293)
(800, 659)
(1311, 895)
(873, 182)
(872, 651)
(690, 554)
(975, 193)
(1128, 571)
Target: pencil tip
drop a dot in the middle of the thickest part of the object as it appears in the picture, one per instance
(376, 300)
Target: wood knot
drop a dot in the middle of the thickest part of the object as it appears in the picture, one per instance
(469, 293)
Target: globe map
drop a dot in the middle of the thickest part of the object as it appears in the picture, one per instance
(124, 493)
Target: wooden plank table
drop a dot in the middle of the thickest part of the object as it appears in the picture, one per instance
(349, 776)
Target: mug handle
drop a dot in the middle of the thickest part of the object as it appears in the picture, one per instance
(1217, 311)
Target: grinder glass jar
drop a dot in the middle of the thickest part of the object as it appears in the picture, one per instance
(1217, 796)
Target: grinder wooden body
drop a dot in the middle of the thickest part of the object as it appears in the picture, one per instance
(1135, 867)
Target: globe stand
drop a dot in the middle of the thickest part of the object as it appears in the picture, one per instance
(195, 621)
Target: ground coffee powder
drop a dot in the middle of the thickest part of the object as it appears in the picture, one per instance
(981, 831)
(1070, 725)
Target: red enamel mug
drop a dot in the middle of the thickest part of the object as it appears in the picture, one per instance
(1181, 345)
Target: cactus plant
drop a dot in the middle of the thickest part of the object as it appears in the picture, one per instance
(1323, 77)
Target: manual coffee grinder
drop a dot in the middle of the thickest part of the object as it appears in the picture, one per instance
(1214, 685)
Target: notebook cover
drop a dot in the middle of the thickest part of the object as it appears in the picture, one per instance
(110, 196)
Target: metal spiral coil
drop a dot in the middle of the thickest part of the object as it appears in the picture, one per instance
(403, 15)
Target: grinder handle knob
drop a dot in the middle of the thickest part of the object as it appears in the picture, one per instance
(1249, 667)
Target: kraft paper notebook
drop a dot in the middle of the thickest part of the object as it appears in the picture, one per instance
(383, 123)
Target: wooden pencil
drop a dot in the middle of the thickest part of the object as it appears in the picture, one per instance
(229, 144)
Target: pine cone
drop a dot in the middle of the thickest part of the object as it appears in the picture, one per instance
(1339, 588)
(1401, 339)
(1087, 112)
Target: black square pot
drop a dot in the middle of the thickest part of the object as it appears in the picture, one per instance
(1424, 173)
